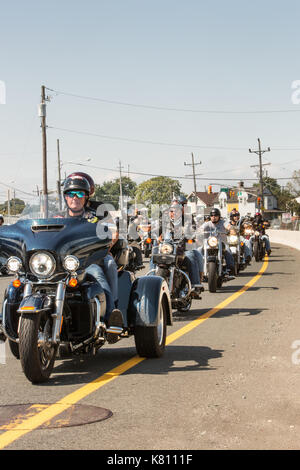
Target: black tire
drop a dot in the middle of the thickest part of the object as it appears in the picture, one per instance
(14, 347)
(212, 277)
(236, 266)
(150, 341)
(37, 362)
(256, 251)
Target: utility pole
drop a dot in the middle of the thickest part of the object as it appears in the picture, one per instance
(59, 176)
(260, 152)
(8, 202)
(42, 114)
(193, 164)
(121, 192)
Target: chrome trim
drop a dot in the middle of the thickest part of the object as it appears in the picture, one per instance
(27, 289)
(57, 316)
(101, 308)
(15, 340)
(188, 281)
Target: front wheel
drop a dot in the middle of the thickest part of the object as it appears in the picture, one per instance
(212, 277)
(150, 341)
(256, 251)
(37, 353)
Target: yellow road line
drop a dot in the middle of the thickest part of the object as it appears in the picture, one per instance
(33, 422)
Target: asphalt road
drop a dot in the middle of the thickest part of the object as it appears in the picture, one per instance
(229, 380)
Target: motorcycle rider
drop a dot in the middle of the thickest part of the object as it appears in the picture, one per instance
(134, 238)
(236, 221)
(260, 225)
(216, 223)
(76, 192)
(175, 228)
(1, 220)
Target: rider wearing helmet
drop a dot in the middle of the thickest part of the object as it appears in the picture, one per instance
(260, 224)
(217, 223)
(237, 223)
(174, 226)
(77, 192)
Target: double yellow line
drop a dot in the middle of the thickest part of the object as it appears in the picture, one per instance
(19, 429)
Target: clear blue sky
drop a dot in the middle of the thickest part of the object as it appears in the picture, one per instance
(213, 56)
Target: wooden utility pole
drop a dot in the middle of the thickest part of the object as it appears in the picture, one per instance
(121, 191)
(8, 202)
(260, 152)
(42, 114)
(193, 164)
(59, 176)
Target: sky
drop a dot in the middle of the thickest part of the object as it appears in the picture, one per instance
(147, 84)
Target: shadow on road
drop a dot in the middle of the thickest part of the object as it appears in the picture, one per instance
(235, 288)
(225, 312)
(83, 370)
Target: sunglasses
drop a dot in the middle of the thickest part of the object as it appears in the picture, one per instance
(79, 194)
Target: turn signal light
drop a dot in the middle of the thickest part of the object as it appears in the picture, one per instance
(73, 282)
(190, 242)
(16, 283)
(148, 240)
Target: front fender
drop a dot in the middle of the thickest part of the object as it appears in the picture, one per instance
(146, 294)
(33, 303)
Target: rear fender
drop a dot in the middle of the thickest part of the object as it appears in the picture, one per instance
(146, 295)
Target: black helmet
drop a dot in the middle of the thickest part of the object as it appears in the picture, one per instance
(87, 177)
(215, 211)
(77, 183)
(233, 214)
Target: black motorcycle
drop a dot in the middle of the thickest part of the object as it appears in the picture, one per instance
(215, 272)
(259, 247)
(54, 307)
(170, 264)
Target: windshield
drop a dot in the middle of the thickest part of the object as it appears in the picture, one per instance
(38, 208)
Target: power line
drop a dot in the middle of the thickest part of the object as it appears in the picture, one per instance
(139, 141)
(165, 108)
(172, 176)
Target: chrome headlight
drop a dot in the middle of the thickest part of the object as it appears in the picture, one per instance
(213, 242)
(14, 264)
(233, 240)
(42, 264)
(166, 249)
(71, 263)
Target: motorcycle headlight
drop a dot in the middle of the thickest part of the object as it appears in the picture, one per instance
(42, 265)
(14, 264)
(166, 249)
(213, 242)
(233, 239)
(71, 263)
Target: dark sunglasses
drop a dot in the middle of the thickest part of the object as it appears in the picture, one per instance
(79, 194)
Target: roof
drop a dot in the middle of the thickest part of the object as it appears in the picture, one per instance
(207, 198)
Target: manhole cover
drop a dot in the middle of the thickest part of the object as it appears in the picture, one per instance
(74, 415)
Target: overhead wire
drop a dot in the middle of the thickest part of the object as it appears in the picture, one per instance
(166, 108)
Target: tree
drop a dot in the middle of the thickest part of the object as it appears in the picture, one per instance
(158, 190)
(293, 186)
(284, 196)
(16, 206)
(109, 191)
